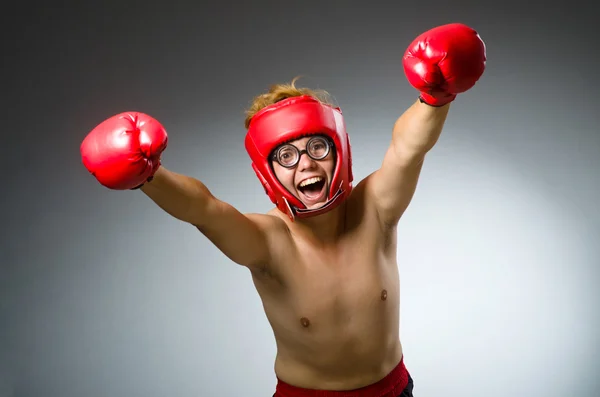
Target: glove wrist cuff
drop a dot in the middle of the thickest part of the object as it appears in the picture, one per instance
(436, 101)
(141, 184)
(157, 165)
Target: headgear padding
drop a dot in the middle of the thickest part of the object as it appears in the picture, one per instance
(285, 121)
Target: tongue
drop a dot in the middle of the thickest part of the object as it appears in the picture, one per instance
(312, 190)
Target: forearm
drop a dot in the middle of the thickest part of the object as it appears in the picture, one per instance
(181, 196)
(418, 129)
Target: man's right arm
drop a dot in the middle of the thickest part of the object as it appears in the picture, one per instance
(123, 152)
(244, 238)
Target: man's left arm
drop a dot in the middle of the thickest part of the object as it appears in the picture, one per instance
(440, 63)
(415, 133)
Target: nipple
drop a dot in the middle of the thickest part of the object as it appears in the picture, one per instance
(383, 295)
(305, 322)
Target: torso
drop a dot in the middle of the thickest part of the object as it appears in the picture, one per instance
(334, 310)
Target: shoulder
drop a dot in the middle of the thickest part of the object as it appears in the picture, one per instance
(273, 226)
(268, 220)
(362, 210)
(359, 198)
(279, 241)
(272, 221)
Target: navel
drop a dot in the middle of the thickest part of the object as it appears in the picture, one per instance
(305, 322)
(383, 295)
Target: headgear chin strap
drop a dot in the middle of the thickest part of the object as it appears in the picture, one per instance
(291, 119)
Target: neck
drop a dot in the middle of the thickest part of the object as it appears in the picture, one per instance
(326, 227)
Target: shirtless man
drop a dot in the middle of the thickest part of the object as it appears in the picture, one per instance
(324, 259)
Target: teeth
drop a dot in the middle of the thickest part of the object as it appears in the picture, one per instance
(310, 180)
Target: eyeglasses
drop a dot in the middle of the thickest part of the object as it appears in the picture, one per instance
(289, 155)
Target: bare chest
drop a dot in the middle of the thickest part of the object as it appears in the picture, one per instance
(349, 287)
(341, 287)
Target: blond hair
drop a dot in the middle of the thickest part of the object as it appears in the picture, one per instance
(278, 92)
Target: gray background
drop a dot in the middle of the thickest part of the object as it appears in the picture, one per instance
(102, 294)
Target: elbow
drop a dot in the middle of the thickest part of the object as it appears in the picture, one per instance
(202, 210)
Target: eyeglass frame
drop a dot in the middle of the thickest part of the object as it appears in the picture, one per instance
(330, 145)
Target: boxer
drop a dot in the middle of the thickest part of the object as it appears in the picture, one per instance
(323, 260)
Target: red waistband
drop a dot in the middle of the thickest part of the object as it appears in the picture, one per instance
(390, 386)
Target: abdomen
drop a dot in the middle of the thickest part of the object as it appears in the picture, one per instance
(332, 330)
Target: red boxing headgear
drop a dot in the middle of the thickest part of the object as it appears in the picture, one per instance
(290, 119)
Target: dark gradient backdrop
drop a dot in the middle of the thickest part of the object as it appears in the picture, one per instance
(103, 295)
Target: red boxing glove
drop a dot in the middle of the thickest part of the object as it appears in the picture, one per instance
(444, 61)
(123, 152)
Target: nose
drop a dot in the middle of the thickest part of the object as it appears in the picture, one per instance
(305, 162)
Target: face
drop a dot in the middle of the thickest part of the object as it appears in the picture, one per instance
(305, 168)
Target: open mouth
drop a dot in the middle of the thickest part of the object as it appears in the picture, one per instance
(312, 189)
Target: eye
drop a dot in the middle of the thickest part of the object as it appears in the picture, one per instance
(287, 155)
(318, 148)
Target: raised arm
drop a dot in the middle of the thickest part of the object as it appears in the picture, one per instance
(124, 152)
(440, 63)
(415, 132)
(244, 238)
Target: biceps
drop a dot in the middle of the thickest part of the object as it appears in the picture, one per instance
(238, 236)
(393, 186)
